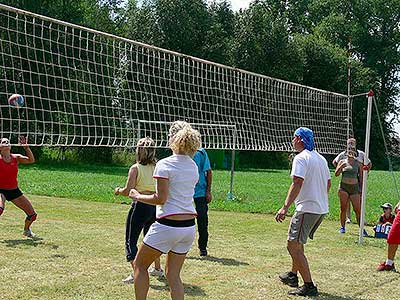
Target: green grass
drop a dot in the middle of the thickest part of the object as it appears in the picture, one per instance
(260, 191)
(80, 256)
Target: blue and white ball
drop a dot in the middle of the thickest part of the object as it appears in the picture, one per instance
(16, 100)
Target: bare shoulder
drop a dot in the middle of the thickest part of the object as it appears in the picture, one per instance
(133, 169)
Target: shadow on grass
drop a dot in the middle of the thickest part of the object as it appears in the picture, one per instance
(386, 283)
(222, 261)
(372, 241)
(326, 296)
(190, 290)
(60, 256)
(29, 242)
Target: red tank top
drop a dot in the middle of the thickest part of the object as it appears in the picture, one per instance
(8, 174)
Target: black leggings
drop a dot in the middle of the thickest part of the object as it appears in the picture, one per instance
(202, 222)
(140, 216)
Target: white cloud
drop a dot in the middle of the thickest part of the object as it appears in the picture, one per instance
(397, 127)
(238, 4)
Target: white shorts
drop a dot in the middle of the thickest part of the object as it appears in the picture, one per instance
(166, 239)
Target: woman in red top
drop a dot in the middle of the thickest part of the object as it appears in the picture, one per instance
(9, 184)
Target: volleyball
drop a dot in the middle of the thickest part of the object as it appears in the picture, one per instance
(16, 100)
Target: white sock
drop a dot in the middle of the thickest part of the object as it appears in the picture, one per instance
(389, 262)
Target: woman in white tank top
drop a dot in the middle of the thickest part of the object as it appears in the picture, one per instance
(174, 231)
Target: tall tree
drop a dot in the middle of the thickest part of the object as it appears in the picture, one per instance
(182, 25)
(218, 39)
(262, 43)
(374, 29)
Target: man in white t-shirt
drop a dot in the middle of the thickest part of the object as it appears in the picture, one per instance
(309, 191)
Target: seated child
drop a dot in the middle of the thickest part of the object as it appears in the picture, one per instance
(387, 217)
(385, 221)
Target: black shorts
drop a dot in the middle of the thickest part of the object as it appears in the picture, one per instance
(11, 194)
(351, 189)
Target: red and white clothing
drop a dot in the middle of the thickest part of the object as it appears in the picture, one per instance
(394, 233)
(9, 173)
(182, 174)
(384, 220)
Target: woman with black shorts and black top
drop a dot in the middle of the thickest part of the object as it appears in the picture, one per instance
(174, 231)
(9, 183)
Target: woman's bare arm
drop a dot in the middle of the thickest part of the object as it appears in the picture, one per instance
(130, 183)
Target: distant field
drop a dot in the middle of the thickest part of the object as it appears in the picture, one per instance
(79, 255)
(261, 191)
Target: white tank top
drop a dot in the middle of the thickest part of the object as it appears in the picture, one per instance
(182, 174)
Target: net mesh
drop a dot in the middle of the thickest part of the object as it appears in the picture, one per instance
(87, 88)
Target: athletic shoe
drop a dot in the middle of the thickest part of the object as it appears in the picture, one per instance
(203, 253)
(342, 230)
(28, 233)
(289, 279)
(158, 273)
(304, 291)
(129, 279)
(348, 221)
(384, 267)
(365, 233)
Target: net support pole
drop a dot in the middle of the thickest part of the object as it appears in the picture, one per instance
(348, 88)
(230, 194)
(365, 172)
(348, 117)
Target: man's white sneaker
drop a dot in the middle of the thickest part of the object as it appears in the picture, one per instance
(154, 272)
(129, 279)
(28, 233)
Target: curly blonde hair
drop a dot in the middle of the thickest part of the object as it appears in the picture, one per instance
(146, 151)
(183, 139)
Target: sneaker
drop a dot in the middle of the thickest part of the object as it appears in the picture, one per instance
(342, 230)
(365, 233)
(155, 272)
(304, 291)
(289, 279)
(28, 233)
(129, 279)
(348, 221)
(203, 253)
(384, 267)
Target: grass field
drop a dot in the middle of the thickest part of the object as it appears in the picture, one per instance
(80, 255)
(261, 191)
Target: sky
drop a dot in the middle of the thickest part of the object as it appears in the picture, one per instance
(397, 128)
(238, 4)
